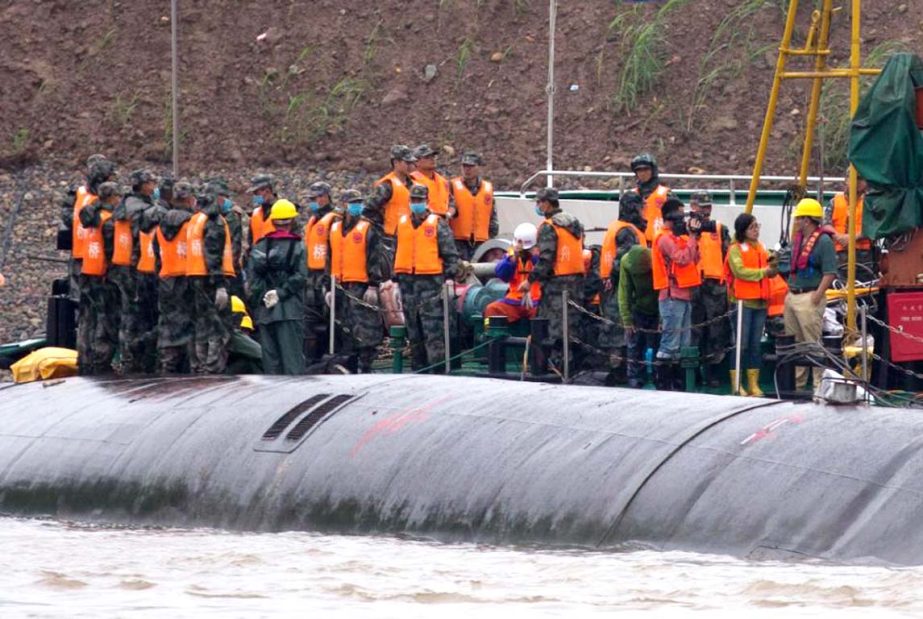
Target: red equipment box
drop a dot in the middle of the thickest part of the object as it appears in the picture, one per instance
(905, 312)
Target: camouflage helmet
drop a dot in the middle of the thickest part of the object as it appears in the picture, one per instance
(107, 190)
(400, 152)
(259, 182)
(351, 196)
(217, 187)
(424, 150)
(318, 189)
(549, 194)
(183, 190)
(102, 169)
(700, 198)
(92, 159)
(471, 158)
(644, 160)
(139, 177)
(419, 192)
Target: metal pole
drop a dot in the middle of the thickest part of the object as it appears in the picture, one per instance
(549, 89)
(820, 64)
(854, 59)
(737, 354)
(865, 350)
(333, 314)
(565, 327)
(174, 88)
(445, 324)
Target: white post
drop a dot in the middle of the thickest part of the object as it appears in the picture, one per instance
(740, 323)
(549, 89)
(333, 313)
(565, 328)
(174, 87)
(445, 324)
(865, 350)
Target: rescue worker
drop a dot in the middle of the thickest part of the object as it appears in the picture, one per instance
(175, 300)
(360, 262)
(436, 183)
(560, 268)
(424, 262)
(276, 275)
(234, 216)
(390, 200)
(316, 241)
(710, 299)
(474, 219)
(837, 215)
(148, 268)
(99, 315)
(263, 197)
(674, 264)
(638, 310)
(209, 267)
(651, 191)
(750, 269)
(813, 269)
(514, 269)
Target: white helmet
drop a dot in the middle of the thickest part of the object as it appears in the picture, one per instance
(526, 234)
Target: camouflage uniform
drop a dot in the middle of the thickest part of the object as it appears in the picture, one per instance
(148, 283)
(316, 313)
(466, 248)
(65, 229)
(211, 324)
(175, 305)
(709, 301)
(381, 194)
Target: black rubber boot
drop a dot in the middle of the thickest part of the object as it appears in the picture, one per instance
(663, 375)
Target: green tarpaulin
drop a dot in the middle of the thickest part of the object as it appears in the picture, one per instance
(887, 149)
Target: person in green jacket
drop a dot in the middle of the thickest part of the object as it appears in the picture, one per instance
(638, 310)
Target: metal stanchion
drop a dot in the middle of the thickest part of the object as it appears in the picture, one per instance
(333, 313)
(398, 340)
(737, 353)
(445, 325)
(865, 350)
(565, 327)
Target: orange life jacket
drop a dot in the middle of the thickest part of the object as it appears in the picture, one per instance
(260, 226)
(754, 256)
(146, 260)
(123, 242)
(587, 267)
(438, 186)
(841, 216)
(78, 232)
(316, 235)
(523, 268)
(686, 275)
(195, 244)
(398, 205)
(609, 247)
(173, 252)
(473, 211)
(348, 252)
(778, 288)
(651, 212)
(94, 258)
(568, 259)
(711, 261)
(418, 248)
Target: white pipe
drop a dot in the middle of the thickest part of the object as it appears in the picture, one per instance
(549, 89)
(737, 354)
(565, 327)
(174, 81)
(445, 324)
(333, 314)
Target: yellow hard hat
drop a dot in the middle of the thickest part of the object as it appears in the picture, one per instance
(809, 207)
(283, 209)
(246, 323)
(237, 306)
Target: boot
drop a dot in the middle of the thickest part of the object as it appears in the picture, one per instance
(742, 391)
(663, 375)
(753, 383)
(710, 376)
(678, 377)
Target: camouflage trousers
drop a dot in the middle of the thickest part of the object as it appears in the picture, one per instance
(135, 325)
(97, 326)
(210, 327)
(316, 316)
(174, 324)
(466, 249)
(424, 318)
(363, 328)
(552, 309)
(709, 301)
(611, 334)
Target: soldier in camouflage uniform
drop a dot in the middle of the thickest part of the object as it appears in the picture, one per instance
(234, 216)
(551, 272)
(316, 233)
(385, 203)
(424, 282)
(97, 173)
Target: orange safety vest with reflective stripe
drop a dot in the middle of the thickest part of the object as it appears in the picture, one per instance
(568, 258)
(146, 260)
(609, 247)
(523, 268)
(418, 248)
(260, 226)
(472, 211)
(438, 186)
(173, 252)
(840, 217)
(123, 242)
(711, 262)
(78, 232)
(348, 252)
(778, 289)
(754, 256)
(195, 244)
(316, 235)
(95, 263)
(686, 275)
(651, 212)
(398, 205)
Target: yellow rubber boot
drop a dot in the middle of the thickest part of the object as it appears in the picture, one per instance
(742, 391)
(753, 383)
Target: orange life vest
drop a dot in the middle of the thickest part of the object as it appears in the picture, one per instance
(260, 226)
(195, 244)
(94, 258)
(316, 235)
(686, 275)
(609, 247)
(123, 243)
(568, 259)
(473, 211)
(348, 252)
(78, 232)
(146, 260)
(587, 267)
(711, 262)
(754, 256)
(438, 186)
(841, 216)
(418, 248)
(651, 212)
(778, 288)
(398, 205)
(523, 268)
(173, 252)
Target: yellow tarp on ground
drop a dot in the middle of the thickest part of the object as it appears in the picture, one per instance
(45, 363)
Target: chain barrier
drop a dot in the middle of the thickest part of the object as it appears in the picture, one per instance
(617, 358)
(453, 358)
(725, 316)
(898, 330)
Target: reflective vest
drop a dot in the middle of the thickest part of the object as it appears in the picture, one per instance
(94, 256)
(651, 212)
(685, 276)
(78, 232)
(609, 247)
(348, 252)
(398, 205)
(841, 216)
(316, 234)
(523, 268)
(173, 253)
(711, 260)
(259, 227)
(418, 248)
(123, 242)
(473, 211)
(568, 259)
(438, 187)
(146, 260)
(195, 243)
(778, 289)
(754, 256)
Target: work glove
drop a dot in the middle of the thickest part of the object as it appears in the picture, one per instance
(221, 298)
(371, 296)
(270, 299)
(527, 302)
(328, 298)
(463, 270)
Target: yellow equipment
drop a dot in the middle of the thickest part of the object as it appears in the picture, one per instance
(45, 363)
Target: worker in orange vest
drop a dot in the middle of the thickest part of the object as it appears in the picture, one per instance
(360, 262)
(99, 310)
(837, 215)
(675, 268)
(390, 200)
(651, 191)
(560, 268)
(474, 216)
(424, 263)
(317, 247)
(710, 299)
(514, 269)
(263, 197)
(234, 215)
(437, 184)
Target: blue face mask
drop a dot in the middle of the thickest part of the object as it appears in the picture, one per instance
(226, 206)
(418, 208)
(355, 209)
(257, 200)
(314, 206)
(538, 211)
(155, 195)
